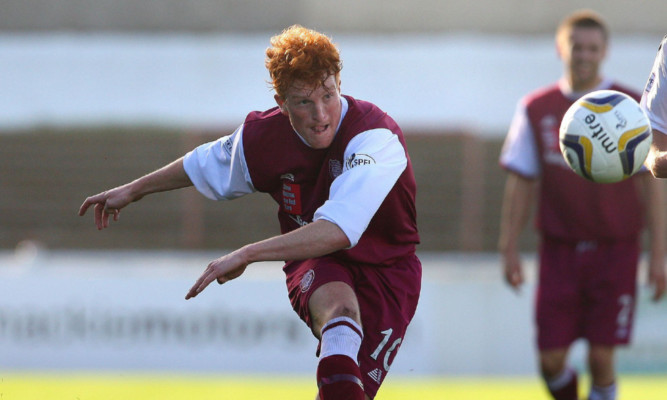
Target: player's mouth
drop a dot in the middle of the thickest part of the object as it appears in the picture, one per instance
(320, 129)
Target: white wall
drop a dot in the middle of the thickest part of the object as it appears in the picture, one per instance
(432, 82)
(126, 311)
(346, 15)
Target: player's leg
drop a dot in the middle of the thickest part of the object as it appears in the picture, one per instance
(611, 288)
(335, 316)
(388, 300)
(558, 312)
(385, 299)
(603, 375)
(561, 380)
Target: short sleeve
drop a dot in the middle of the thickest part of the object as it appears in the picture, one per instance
(519, 151)
(218, 169)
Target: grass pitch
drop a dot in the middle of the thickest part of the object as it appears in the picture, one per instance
(127, 386)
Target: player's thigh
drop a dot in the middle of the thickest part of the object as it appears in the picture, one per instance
(387, 307)
(611, 293)
(558, 305)
(306, 277)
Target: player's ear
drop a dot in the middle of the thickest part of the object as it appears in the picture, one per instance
(281, 103)
(559, 53)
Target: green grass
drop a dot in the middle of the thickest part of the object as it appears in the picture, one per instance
(114, 386)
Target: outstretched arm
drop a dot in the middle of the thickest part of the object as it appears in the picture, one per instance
(517, 205)
(110, 202)
(313, 240)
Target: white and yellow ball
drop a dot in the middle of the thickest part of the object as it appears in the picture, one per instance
(605, 136)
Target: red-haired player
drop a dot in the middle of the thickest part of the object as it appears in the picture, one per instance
(340, 172)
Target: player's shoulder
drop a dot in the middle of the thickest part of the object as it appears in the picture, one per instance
(263, 116)
(357, 107)
(262, 121)
(363, 115)
(545, 93)
(264, 126)
(544, 98)
(662, 51)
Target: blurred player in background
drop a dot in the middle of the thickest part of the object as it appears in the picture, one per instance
(589, 233)
(340, 172)
(654, 102)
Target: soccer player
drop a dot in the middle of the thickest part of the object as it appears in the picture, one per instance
(589, 233)
(654, 102)
(340, 172)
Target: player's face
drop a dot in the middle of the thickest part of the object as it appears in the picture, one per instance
(313, 110)
(582, 52)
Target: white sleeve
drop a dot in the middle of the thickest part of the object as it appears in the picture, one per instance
(218, 169)
(374, 160)
(519, 152)
(654, 98)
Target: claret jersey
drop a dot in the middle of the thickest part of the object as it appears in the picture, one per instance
(363, 182)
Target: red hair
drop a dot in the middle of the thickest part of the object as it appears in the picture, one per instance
(301, 54)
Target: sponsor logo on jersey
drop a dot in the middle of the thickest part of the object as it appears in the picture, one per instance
(299, 220)
(291, 198)
(307, 280)
(356, 160)
(550, 138)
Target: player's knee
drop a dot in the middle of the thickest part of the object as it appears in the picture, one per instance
(333, 312)
(345, 310)
(551, 366)
(601, 361)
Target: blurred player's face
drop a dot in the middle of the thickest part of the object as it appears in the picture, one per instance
(582, 51)
(313, 110)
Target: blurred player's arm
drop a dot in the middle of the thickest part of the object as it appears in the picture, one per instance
(110, 202)
(656, 161)
(517, 205)
(653, 191)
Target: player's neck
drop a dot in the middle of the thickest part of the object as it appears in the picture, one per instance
(578, 86)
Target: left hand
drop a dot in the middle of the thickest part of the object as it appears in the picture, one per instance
(223, 269)
(657, 278)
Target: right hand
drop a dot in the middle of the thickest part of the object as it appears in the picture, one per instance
(222, 270)
(108, 203)
(513, 270)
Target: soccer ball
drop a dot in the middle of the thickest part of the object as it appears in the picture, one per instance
(605, 136)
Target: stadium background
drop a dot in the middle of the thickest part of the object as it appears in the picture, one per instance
(95, 93)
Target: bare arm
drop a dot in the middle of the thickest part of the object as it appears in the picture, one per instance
(653, 197)
(313, 240)
(656, 161)
(110, 202)
(516, 209)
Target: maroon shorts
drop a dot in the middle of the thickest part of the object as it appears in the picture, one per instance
(586, 290)
(387, 296)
